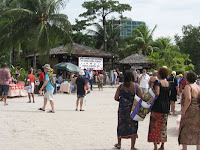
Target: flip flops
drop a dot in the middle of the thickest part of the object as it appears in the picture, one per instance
(117, 146)
(50, 111)
(41, 109)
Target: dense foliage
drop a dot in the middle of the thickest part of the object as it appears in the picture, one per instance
(167, 54)
(36, 26)
(189, 43)
(37, 22)
(102, 8)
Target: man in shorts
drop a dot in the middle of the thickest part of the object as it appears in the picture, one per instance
(49, 88)
(4, 82)
(144, 82)
(41, 78)
(31, 79)
(81, 90)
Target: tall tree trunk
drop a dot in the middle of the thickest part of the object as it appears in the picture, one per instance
(104, 32)
(34, 60)
(18, 53)
(13, 57)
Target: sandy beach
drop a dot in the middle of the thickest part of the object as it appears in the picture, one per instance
(23, 127)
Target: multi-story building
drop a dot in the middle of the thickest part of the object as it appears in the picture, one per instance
(128, 26)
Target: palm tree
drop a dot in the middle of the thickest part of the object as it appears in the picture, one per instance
(168, 54)
(34, 21)
(112, 35)
(141, 40)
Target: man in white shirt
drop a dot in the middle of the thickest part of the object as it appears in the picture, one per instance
(144, 82)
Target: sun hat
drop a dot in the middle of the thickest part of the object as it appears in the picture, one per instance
(46, 66)
(174, 73)
(81, 73)
(155, 71)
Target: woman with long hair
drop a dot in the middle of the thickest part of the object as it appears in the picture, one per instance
(190, 118)
(159, 114)
(127, 128)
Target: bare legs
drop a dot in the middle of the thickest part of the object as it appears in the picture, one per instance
(5, 99)
(118, 145)
(29, 96)
(52, 105)
(156, 147)
(81, 103)
(45, 103)
(133, 142)
(133, 139)
(173, 107)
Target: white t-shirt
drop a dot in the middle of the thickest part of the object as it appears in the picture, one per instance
(144, 82)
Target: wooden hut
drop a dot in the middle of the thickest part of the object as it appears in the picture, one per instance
(61, 54)
(135, 61)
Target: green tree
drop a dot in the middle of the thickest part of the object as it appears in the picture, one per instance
(112, 34)
(103, 8)
(34, 21)
(84, 39)
(141, 40)
(189, 43)
(167, 54)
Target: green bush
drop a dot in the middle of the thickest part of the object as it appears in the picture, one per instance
(23, 73)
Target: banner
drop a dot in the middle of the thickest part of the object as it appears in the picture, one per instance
(90, 63)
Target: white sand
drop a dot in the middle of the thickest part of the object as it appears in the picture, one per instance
(23, 127)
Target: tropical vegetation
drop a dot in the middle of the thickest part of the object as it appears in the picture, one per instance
(35, 22)
(32, 26)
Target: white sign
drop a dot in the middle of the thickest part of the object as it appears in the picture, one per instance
(90, 63)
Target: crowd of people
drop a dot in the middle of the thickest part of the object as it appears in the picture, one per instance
(167, 88)
(45, 88)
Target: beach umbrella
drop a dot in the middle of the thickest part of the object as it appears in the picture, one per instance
(66, 66)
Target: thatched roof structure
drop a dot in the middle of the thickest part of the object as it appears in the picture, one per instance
(80, 51)
(135, 59)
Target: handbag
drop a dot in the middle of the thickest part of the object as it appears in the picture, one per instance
(27, 86)
(141, 107)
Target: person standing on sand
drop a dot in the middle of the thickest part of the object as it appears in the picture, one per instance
(189, 132)
(100, 81)
(49, 88)
(4, 82)
(144, 82)
(127, 128)
(159, 113)
(41, 78)
(174, 91)
(91, 79)
(81, 90)
(31, 78)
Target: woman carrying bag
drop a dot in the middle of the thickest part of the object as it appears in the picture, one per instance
(127, 128)
(159, 113)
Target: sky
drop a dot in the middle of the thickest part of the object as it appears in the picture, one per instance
(168, 15)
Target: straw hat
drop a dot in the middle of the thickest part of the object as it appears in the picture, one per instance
(46, 66)
(81, 73)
